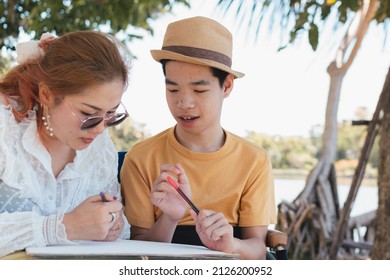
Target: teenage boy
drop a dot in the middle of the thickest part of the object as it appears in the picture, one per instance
(227, 177)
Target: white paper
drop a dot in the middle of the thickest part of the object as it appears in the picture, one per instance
(123, 248)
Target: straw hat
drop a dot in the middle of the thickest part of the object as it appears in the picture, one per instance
(198, 40)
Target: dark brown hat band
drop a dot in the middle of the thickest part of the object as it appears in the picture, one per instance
(200, 53)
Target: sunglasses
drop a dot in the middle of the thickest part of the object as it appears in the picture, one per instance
(93, 121)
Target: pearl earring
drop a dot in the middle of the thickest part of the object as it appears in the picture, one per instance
(46, 121)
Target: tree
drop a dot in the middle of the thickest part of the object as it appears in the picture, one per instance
(382, 238)
(287, 152)
(36, 17)
(316, 209)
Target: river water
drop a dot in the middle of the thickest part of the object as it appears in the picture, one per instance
(366, 200)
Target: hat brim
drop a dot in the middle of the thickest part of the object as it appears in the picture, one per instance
(159, 55)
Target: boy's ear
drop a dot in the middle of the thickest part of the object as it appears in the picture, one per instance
(228, 85)
(45, 96)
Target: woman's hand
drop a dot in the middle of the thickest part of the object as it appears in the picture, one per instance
(165, 197)
(116, 229)
(94, 219)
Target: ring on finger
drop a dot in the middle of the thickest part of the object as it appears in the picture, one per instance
(113, 215)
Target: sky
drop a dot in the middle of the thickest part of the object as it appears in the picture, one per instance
(282, 93)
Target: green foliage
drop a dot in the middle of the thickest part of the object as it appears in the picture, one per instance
(36, 17)
(313, 36)
(383, 11)
(303, 16)
(292, 152)
(5, 62)
(350, 140)
(287, 152)
(349, 144)
(127, 134)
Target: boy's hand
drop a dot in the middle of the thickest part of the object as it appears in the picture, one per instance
(165, 197)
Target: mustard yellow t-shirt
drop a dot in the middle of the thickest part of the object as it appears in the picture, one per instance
(236, 180)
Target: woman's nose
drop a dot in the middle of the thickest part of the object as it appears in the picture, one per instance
(99, 128)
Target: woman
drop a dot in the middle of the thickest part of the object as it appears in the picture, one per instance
(55, 155)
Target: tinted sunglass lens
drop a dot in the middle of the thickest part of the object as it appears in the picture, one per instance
(117, 119)
(91, 123)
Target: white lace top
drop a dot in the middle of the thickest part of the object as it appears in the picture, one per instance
(32, 201)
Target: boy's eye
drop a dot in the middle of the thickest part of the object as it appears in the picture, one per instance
(172, 90)
(200, 90)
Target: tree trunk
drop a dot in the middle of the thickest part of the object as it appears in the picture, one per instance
(310, 229)
(311, 219)
(381, 245)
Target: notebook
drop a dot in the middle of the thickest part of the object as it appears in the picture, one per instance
(128, 249)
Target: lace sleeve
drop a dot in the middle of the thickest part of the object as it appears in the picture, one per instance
(54, 230)
(22, 224)
(19, 230)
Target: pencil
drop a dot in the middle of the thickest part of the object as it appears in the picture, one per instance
(103, 197)
(183, 195)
